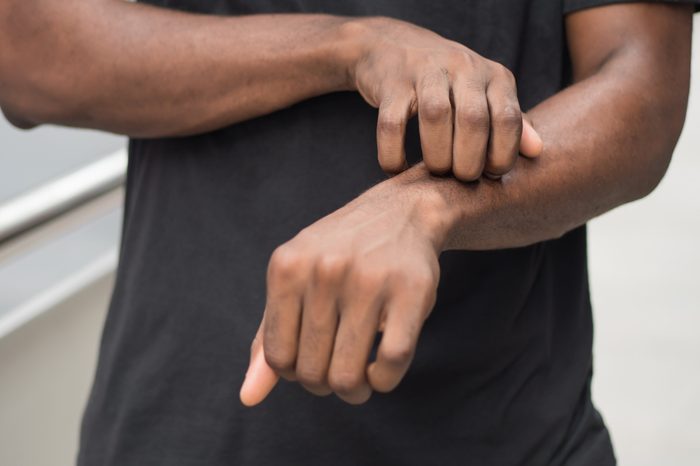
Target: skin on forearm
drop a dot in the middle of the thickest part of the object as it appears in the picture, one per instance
(152, 72)
(373, 264)
(147, 72)
(580, 174)
(608, 140)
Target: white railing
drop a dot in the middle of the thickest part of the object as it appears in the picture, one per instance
(31, 210)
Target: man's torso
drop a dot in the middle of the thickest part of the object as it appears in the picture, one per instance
(502, 370)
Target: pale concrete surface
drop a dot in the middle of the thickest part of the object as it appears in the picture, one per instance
(645, 279)
(46, 369)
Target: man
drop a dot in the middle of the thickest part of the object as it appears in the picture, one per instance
(446, 307)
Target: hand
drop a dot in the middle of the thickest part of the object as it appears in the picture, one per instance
(468, 110)
(370, 266)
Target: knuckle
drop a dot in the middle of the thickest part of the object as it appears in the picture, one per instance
(436, 110)
(285, 262)
(398, 354)
(310, 376)
(503, 72)
(466, 58)
(278, 360)
(345, 382)
(475, 117)
(509, 118)
(330, 268)
(389, 124)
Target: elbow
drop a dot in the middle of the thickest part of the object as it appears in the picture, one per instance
(18, 104)
(20, 123)
(19, 110)
(653, 171)
(12, 102)
(33, 76)
(669, 123)
(30, 96)
(17, 120)
(31, 103)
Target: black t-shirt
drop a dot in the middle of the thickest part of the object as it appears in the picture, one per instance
(503, 366)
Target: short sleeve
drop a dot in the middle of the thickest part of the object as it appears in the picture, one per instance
(573, 5)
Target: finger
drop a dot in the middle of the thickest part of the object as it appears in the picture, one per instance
(318, 327)
(394, 112)
(357, 329)
(531, 144)
(281, 336)
(435, 122)
(406, 314)
(506, 124)
(260, 379)
(282, 320)
(472, 124)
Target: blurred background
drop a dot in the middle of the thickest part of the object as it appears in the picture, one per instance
(55, 283)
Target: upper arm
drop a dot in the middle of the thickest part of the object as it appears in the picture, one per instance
(644, 48)
(653, 36)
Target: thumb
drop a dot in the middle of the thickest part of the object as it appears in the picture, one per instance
(530, 143)
(260, 379)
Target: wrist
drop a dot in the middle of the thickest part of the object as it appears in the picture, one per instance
(430, 207)
(355, 41)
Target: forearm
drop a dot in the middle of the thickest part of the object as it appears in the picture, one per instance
(146, 72)
(608, 141)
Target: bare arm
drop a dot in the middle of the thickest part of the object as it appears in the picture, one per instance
(145, 71)
(149, 72)
(608, 140)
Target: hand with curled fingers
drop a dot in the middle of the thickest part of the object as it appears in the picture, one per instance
(468, 111)
(372, 266)
(369, 267)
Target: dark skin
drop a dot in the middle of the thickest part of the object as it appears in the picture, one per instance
(372, 265)
(150, 72)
